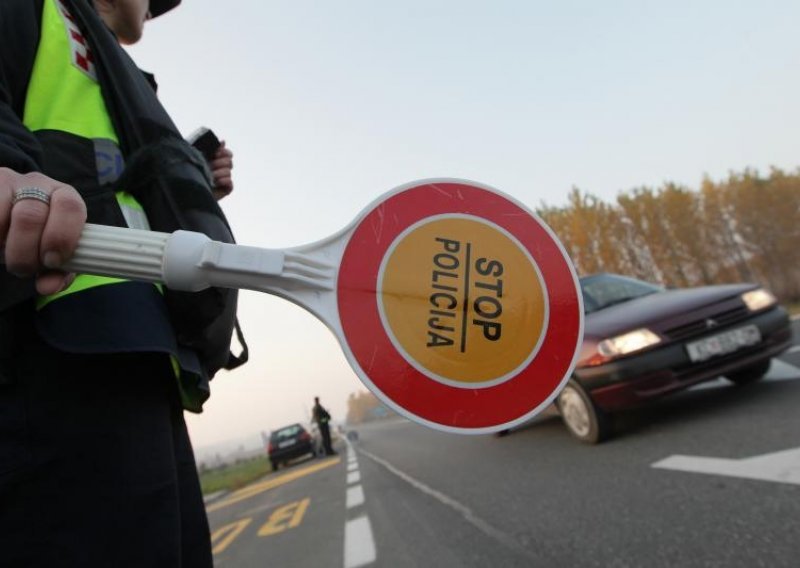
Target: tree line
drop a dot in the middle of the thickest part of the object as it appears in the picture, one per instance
(362, 407)
(743, 228)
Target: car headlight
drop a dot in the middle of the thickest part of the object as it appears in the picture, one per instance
(627, 343)
(758, 299)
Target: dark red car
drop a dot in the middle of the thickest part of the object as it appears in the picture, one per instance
(288, 443)
(643, 341)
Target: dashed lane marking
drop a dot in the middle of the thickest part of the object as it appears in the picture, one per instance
(355, 496)
(359, 546)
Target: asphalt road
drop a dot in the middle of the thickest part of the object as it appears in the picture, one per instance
(726, 492)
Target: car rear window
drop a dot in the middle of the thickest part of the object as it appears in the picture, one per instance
(288, 432)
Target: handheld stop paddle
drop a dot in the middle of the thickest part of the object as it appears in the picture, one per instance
(453, 303)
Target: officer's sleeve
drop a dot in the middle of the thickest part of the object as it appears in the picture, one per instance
(19, 150)
(19, 30)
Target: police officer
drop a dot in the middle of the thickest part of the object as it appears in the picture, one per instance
(96, 467)
(323, 418)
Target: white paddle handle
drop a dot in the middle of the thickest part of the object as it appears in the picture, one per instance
(124, 253)
(189, 261)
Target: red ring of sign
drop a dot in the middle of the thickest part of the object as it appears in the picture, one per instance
(391, 374)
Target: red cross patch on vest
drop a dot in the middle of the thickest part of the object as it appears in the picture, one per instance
(81, 54)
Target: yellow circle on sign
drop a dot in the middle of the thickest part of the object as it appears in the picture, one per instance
(462, 300)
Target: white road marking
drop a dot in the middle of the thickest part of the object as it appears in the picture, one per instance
(781, 370)
(359, 546)
(793, 349)
(463, 510)
(779, 467)
(355, 496)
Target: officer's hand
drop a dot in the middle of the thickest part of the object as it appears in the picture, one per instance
(38, 237)
(221, 167)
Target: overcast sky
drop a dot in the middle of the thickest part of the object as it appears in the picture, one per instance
(327, 105)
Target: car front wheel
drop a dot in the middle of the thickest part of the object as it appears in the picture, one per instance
(582, 417)
(750, 374)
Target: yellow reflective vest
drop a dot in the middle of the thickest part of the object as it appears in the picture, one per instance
(67, 112)
(68, 98)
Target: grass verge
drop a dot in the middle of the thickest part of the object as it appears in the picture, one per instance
(236, 476)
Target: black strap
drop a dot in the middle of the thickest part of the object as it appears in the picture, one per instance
(238, 360)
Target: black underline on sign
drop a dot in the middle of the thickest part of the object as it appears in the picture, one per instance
(466, 301)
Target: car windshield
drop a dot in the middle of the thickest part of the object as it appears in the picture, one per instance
(603, 290)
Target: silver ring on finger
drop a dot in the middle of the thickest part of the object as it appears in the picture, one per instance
(36, 193)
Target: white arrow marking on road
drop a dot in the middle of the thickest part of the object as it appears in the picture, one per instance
(781, 370)
(780, 467)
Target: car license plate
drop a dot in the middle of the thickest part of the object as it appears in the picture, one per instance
(723, 343)
(286, 444)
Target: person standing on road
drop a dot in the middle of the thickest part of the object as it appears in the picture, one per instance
(96, 466)
(323, 418)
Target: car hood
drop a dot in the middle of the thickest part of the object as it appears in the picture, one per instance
(662, 310)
